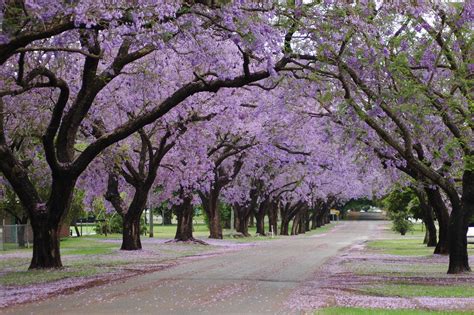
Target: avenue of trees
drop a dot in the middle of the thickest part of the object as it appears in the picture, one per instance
(273, 108)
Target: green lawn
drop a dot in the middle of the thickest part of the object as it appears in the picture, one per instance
(401, 247)
(409, 245)
(42, 276)
(86, 246)
(378, 311)
(405, 271)
(410, 290)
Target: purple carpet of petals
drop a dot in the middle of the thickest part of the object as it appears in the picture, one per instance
(155, 256)
(339, 284)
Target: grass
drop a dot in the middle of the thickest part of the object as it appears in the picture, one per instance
(398, 269)
(401, 247)
(404, 272)
(412, 290)
(378, 311)
(42, 276)
(86, 246)
(409, 245)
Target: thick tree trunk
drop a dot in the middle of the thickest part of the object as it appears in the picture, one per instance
(327, 219)
(185, 213)
(242, 215)
(260, 219)
(46, 221)
(210, 205)
(442, 214)
(131, 232)
(303, 225)
(458, 225)
(314, 219)
(307, 221)
(46, 252)
(273, 217)
(284, 225)
(320, 218)
(431, 230)
(458, 257)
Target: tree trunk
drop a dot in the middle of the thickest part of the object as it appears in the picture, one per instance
(430, 237)
(210, 205)
(242, 219)
(296, 225)
(314, 219)
(46, 252)
(131, 232)
(284, 225)
(46, 221)
(307, 221)
(327, 220)
(260, 218)
(185, 213)
(431, 230)
(458, 225)
(442, 214)
(21, 232)
(320, 218)
(273, 217)
(458, 257)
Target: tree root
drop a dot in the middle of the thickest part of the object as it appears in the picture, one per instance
(189, 241)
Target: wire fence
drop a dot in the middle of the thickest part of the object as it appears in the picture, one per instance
(15, 236)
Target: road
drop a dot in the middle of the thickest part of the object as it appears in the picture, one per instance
(255, 280)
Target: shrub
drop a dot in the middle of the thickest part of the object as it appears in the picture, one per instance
(400, 223)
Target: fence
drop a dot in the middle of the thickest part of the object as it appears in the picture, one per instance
(83, 229)
(15, 236)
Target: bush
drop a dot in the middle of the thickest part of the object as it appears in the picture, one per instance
(400, 223)
(114, 222)
(225, 214)
(401, 204)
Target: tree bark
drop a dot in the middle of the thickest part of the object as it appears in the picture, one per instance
(184, 213)
(307, 221)
(273, 217)
(284, 220)
(242, 219)
(46, 252)
(442, 214)
(210, 205)
(46, 220)
(458, 225)
(260, 218)
(430, 236)
(296, 225)
(131, 232)
(314, 218)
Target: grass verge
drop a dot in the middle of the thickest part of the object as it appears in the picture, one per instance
(379, 311)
